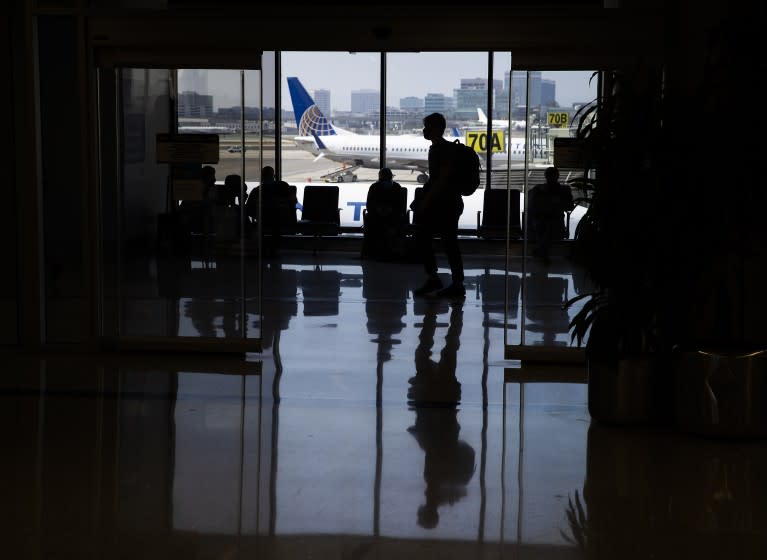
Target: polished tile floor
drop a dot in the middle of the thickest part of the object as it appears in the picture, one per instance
(372, 426)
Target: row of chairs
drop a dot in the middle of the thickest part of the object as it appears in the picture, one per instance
(321, 214)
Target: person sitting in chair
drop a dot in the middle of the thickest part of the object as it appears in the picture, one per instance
(229, 194)
(384, 216)
(548, 203)
(278, 201)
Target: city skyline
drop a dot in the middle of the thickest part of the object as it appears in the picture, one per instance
(409, 75)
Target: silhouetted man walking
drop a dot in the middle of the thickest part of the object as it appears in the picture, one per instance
(437, 212)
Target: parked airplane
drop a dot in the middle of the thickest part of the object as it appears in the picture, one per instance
(319, 136)
(501, 123)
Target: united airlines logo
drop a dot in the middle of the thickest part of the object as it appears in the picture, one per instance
(314, 122)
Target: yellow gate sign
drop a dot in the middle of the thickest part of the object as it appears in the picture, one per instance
(558, 119)
(477, 140)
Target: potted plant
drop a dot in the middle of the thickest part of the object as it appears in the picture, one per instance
(720, 243)
(615, 243)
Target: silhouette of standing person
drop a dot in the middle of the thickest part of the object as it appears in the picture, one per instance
(437, 211)
(435, 394)
(278, 202)
(384, 217)
(548, 203)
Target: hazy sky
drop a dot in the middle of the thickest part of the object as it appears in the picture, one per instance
(409, 74)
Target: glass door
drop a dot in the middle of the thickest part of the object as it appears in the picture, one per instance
(181, 260)
(544, 114)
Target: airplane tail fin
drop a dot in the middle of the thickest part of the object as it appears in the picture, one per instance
(482, 116)
(309, 118)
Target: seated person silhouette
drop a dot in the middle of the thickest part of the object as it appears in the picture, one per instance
(434, 394)
(196, 216)
(226, 212)
(229, 193)
(278, 202)
(548, 203)
(384, 217)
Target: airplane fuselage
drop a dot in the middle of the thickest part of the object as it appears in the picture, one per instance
(407, 151)
(402, 151)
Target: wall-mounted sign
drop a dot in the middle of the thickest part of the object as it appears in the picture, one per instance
(559, 119)
(187, 148)
(477, 139)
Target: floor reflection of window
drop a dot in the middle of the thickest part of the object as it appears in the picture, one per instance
(208, 454)
(544, 458)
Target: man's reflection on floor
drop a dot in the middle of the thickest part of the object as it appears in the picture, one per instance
(434, 394)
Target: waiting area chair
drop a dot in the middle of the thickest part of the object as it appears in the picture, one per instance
(385, 233)
(491, 220)
(278, 215)
(320, 215)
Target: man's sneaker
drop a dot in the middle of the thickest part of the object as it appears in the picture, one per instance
(431, 285)
(452, 291)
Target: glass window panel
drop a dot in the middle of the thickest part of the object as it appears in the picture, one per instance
(181, 270)
(551, 279)
(268, 102)
(217, 442)
(204, 430)
(502, 90)
(418, 84)
(343, 502)
(501, 83)
(538, 482)
(342, 108)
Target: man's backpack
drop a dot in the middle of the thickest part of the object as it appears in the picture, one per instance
(467, 174)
